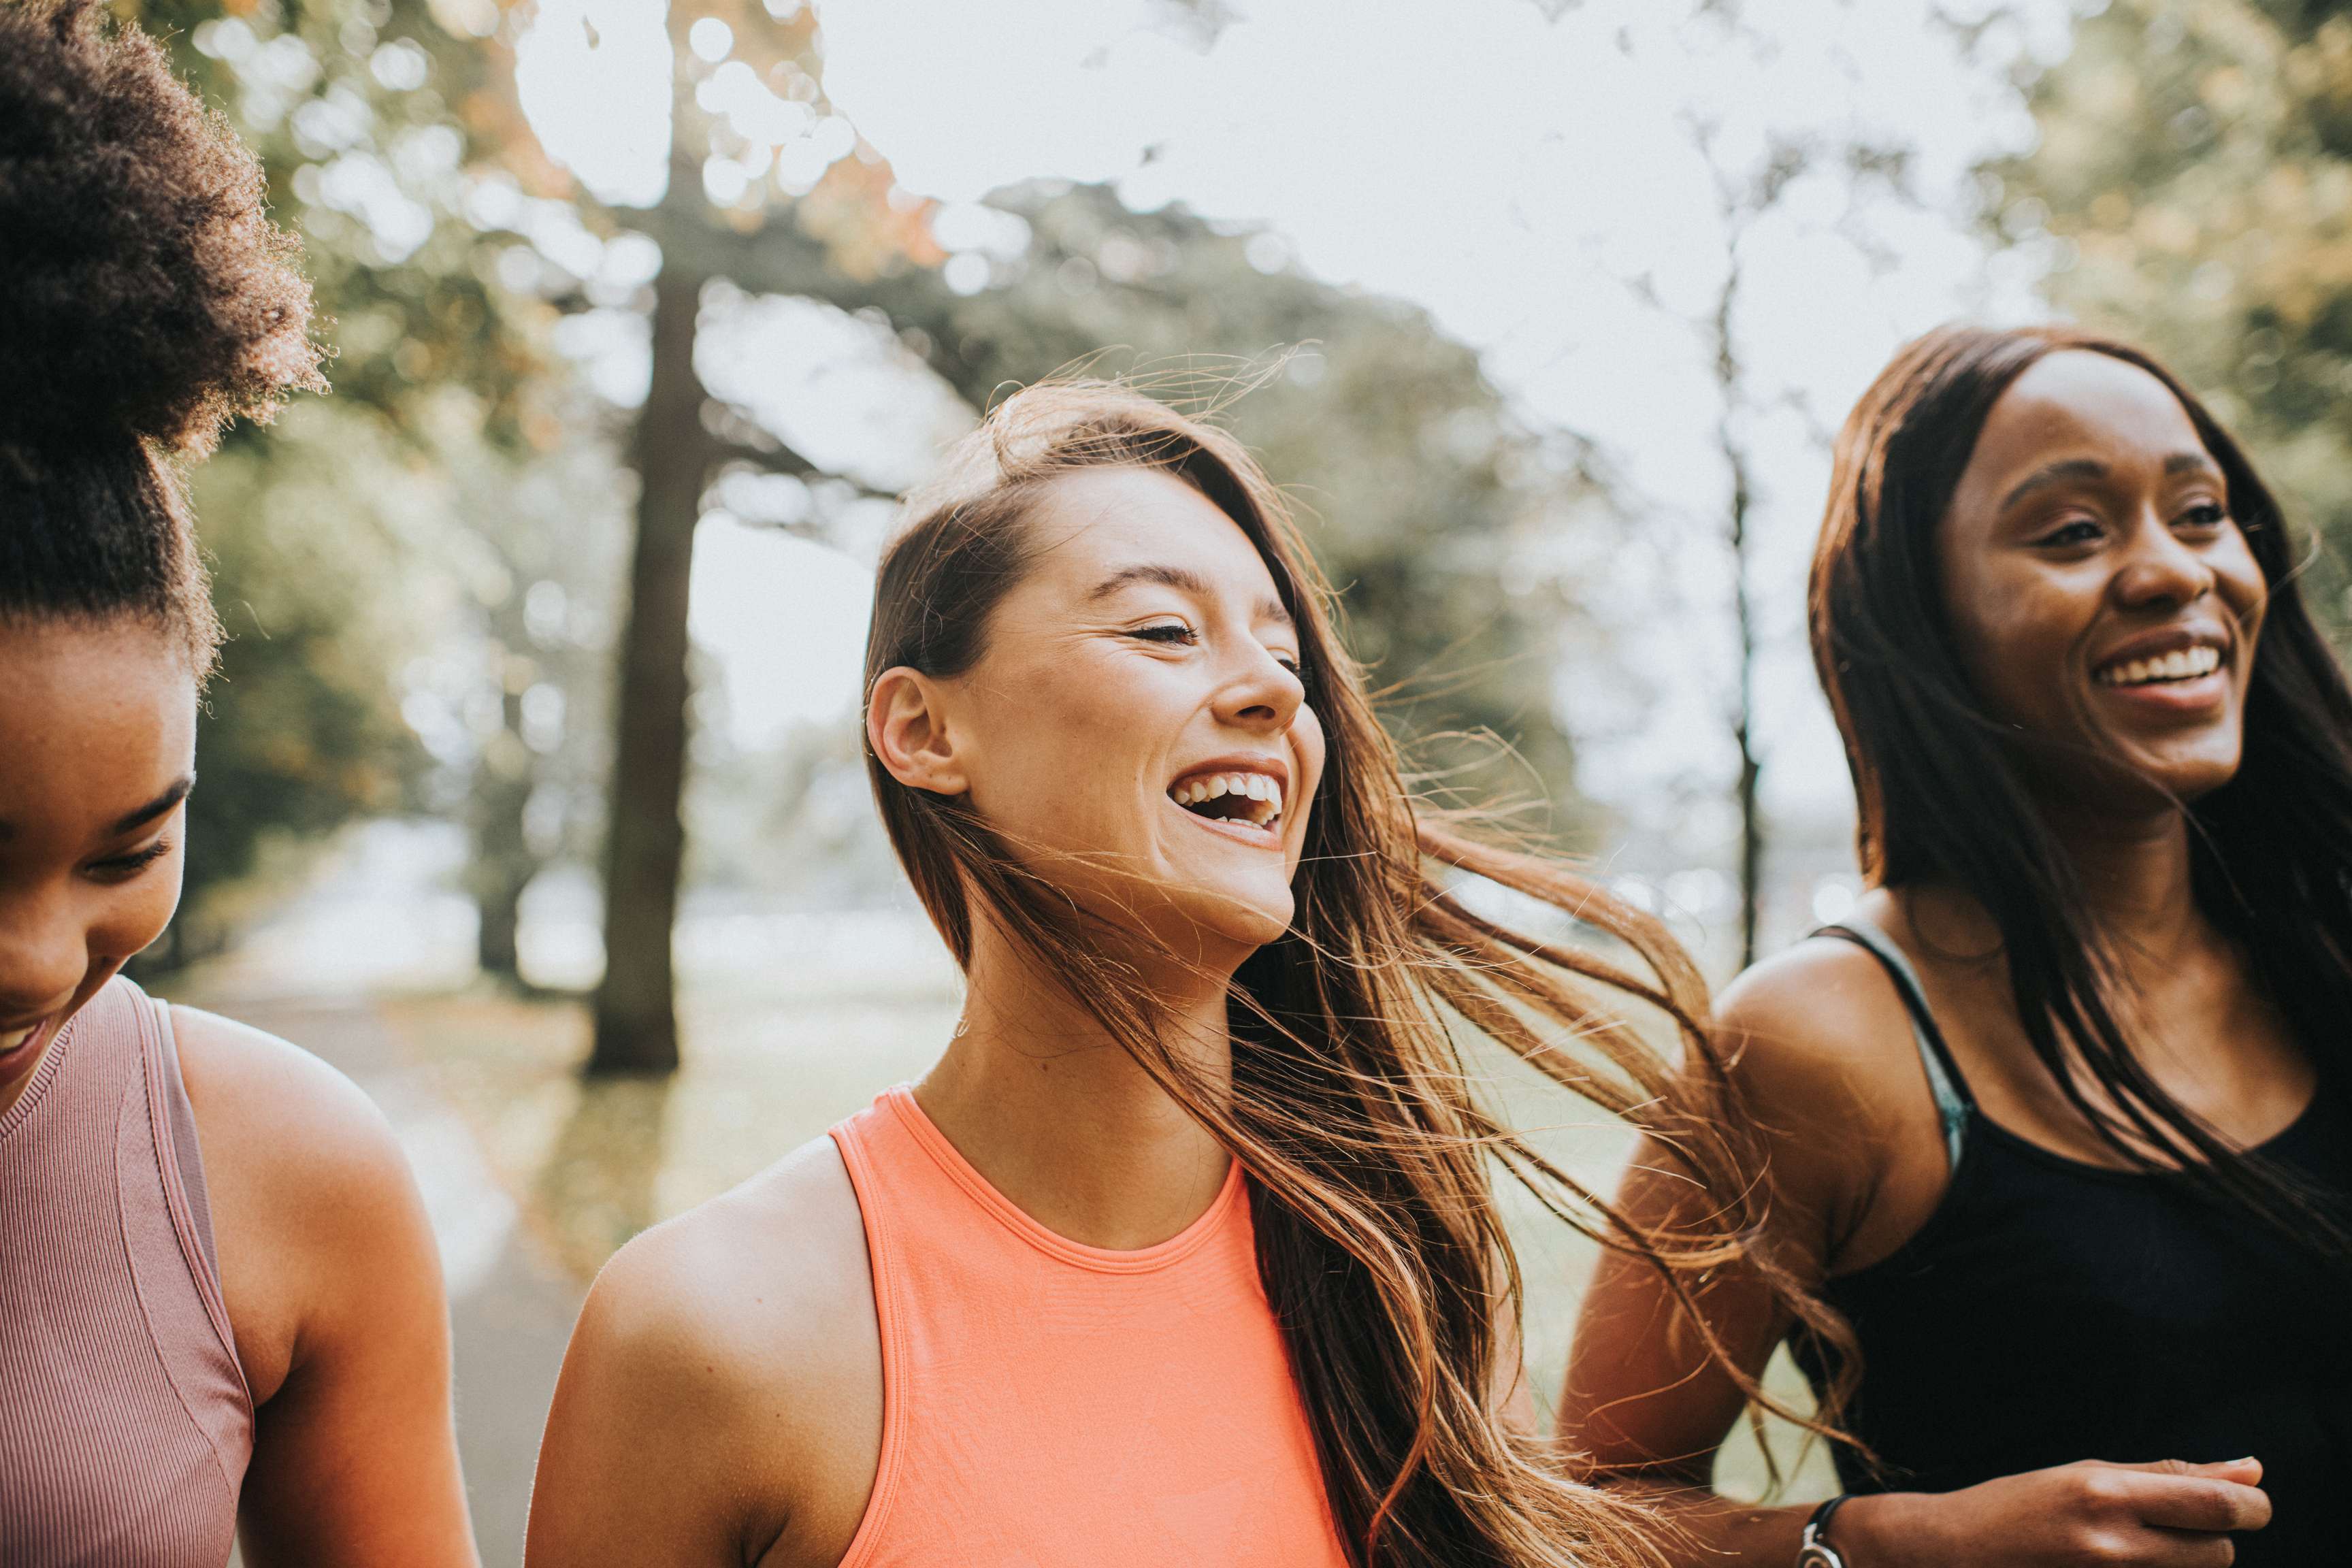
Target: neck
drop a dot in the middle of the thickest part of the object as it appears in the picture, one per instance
(1062, 1120)
(2135, 873)
(2134, 870)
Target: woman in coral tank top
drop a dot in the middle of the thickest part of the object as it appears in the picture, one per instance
(1184, 1253)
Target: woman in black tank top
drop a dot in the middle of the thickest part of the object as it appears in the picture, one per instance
(2059, 1122)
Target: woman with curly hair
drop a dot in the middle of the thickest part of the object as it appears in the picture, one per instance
(220, 1302)
(1186, 1250)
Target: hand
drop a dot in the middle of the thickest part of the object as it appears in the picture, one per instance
(2171, 1514)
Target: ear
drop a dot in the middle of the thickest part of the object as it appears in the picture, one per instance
(907, 725)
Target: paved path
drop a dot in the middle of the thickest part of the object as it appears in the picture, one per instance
(512, 1308)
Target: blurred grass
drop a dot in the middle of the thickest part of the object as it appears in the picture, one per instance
(592, 1163)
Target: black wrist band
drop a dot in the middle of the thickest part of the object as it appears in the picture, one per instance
(1813, 1550)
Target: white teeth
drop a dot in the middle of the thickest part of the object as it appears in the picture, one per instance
(1259, 788)
(2182, 664)
(15, 1037)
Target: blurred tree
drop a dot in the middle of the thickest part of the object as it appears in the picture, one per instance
(1428, 504)
(748, 105)
(2192, 191)
(392, 144)
(1742, 197)
(295, 735)
(1438, 507)
(511, 701)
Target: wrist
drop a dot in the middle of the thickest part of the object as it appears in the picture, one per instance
(1880, 1529)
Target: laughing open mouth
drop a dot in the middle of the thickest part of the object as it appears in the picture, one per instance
(1246, 799)
(2181, 664)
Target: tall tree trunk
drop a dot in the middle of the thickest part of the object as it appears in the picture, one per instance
(503, 864)
(1743, 596)
(636, 1015)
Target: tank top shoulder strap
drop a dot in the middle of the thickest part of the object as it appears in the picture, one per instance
(178, 1119)
(179, 1157)
(1946, 1082)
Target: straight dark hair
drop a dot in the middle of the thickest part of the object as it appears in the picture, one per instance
(1943, 800)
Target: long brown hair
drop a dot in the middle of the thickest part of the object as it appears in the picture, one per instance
(1943, 800)
(1379, 1242)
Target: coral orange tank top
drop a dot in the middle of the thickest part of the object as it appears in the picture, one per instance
(1049, 1405)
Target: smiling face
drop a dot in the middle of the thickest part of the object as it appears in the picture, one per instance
(1136, 726)
(99, 723)
(2104, 600)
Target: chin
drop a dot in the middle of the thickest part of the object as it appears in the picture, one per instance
(1244, 918)
(2195, 780)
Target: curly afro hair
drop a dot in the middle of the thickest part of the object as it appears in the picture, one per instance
(145, 300)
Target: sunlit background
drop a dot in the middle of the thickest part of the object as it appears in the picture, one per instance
(1551, 309)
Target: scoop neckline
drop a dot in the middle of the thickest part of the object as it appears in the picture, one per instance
(2137, 1172)
(901, 1102)
(44, 1072)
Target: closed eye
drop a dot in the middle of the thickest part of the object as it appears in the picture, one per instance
(122, 868)
(2081, 530)
(1175, 633)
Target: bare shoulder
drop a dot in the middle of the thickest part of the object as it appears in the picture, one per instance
(1819, 1015)
(727, 1366)
(270, 1109)
(326, 1254)
(1825, 1053)
(759, 1281)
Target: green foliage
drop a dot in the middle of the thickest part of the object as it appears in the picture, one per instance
(368, 117)
(360, 532)
(298, 735)
(2195, 171)
(1423, 500)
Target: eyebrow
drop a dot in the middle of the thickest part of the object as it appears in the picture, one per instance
(2054, 473)
(2091, 468)
(131, 821)
(154, 809)
(1184, 580)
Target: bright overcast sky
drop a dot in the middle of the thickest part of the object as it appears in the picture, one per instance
(1513, 172)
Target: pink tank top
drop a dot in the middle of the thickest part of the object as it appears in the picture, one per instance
(125, 1425)
(1048, 1404)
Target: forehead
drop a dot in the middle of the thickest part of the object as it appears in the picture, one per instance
(91, 714)
(2076, 403)
(1096, 522)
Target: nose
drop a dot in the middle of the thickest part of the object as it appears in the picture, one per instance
(2160, 571)
(44, 953)
(1263, 693)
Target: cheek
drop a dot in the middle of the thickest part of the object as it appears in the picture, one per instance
(132, 916)
(2242, 586)
(1066, 738)
(2016, 634)
(1307, 742)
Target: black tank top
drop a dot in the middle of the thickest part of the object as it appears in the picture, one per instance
(2051, 1310)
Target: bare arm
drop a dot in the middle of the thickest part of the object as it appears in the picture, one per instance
(721, 1400)
(333, 1284)
(631, 1471)
(1857, 1165)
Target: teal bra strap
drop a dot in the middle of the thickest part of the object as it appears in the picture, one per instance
(1944, 1081)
